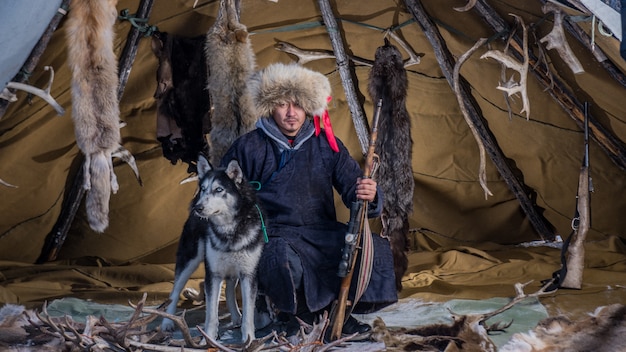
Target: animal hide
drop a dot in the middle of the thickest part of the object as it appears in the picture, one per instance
(182, 102)
(20, 332)
(388, 81)
(95, 109)
(466, 334)
(230, 62)
(602, 331)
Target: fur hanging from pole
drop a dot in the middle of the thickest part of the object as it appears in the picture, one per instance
(95, 109)
(182, 102)
(95, 106)
(230, 62)
(388, 81)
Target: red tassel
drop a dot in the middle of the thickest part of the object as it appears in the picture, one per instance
(316, 122)
(328, 128)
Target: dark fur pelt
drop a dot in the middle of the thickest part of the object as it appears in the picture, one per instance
(465, 333)
(230, 62)
(182, 100)
(388, 81)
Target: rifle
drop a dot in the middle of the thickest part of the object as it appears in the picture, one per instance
(581, 221)
(358, 219)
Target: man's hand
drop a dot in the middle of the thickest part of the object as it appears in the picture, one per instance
(366, 189)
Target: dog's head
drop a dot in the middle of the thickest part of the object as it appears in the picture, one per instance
(219, 190)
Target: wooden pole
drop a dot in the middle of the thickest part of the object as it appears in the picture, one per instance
(613, 146)
(358, 117)
(446, 62)
(58, 234)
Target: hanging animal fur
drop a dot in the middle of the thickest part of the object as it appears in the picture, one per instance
(388, 81)
(230, 62)
(182, 102)
(95, 108)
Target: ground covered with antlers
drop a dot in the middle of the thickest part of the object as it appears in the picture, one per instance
(449, 298)
(63, 325)
(48, 329)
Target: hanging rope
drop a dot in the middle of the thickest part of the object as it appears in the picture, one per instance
(139, 23)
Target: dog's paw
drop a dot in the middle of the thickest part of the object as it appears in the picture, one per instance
(167, 325)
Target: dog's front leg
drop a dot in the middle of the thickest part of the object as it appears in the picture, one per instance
(248, 298)
(231, 302)
(188, 258)
(212, 289)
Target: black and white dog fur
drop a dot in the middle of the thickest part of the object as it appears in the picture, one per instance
(224, 229)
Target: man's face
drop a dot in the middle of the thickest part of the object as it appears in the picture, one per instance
(289, 118)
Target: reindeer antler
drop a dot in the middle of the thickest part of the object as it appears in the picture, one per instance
(414, 58)
(511, 87)
(305, 56)
(556, 39)
(519, 296)
(470, 4)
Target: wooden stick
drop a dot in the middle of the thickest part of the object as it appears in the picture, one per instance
(446, 61)
(358, 117)
(482, 174)
(612, 145)
(132, 45)
(55, 239)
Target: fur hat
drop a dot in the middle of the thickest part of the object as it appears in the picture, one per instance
(279, 83)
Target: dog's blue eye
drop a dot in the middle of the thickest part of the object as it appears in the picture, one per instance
(219, 189)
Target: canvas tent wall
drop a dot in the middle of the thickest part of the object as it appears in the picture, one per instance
(39, 153)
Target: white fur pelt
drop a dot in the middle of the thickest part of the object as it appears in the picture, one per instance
(95, 109)
(230, 62)
(602, 331)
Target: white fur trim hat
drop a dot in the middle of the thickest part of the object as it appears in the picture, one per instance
(284, 83)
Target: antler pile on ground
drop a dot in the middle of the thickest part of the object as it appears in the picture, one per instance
(466, 333)
(26, 330)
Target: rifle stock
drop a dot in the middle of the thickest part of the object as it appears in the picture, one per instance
(581, 223)
(358, 217)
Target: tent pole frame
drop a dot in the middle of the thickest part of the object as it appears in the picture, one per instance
(608, 142)
(343, 64)
(446, 62)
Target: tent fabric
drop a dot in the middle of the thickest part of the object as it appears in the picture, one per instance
(136, 253)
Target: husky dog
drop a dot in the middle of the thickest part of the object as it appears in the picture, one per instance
(224, 229)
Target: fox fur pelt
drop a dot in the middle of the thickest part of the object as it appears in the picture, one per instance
(388, 81)
(182, 102)
(230, 62)
(95, 107)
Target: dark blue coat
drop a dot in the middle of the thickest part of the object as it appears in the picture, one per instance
(296, 195)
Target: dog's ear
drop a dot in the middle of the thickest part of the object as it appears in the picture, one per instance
(234, 172)
(203, 166)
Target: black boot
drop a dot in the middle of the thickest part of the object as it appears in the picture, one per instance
(353, 326)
